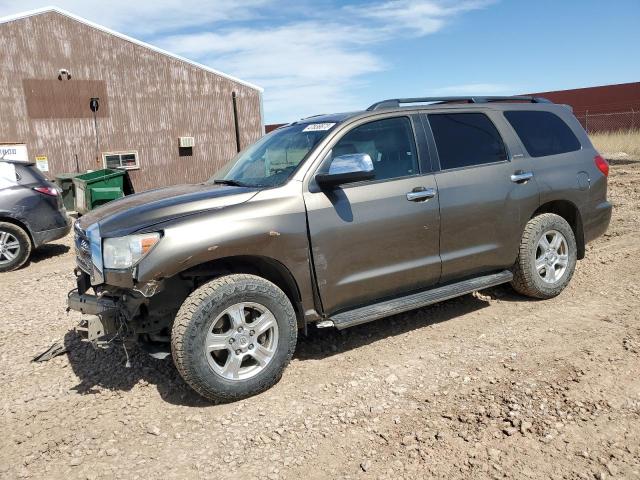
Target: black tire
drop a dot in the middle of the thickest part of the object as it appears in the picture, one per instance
(195, 319)
(20, 253)
(526, 279)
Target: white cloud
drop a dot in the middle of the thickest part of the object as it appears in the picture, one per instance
(305, 68)
(309, 67)
(418, 17)
(314, 61)
(142, 17)
(475, 89)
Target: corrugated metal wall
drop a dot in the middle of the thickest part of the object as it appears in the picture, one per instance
(603, 108)
(151, 100)
(603, 99)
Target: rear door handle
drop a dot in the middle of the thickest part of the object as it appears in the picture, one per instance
(420, 194)
(521, 177)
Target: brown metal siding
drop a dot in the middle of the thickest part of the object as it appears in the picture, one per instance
(64, 99)
(152, 100)
(604, 99)
(272, 126)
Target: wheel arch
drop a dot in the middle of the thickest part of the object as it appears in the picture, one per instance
(18, 223)
(570, 212)
(262, 266)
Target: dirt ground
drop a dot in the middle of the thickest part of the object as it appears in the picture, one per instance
(487, 385)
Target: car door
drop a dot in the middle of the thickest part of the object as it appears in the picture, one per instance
(486, 190)
(377, 238)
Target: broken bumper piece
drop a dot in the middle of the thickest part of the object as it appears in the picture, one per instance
(99, 327)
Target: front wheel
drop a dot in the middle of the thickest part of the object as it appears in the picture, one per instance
(233, 337)
(547, 257)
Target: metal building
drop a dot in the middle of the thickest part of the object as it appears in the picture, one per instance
(602, 108)
(76, 96)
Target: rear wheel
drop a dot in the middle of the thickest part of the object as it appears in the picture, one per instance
(15, 246)
(547, 257)
(233, 337)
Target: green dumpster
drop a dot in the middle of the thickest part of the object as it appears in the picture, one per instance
(96, 188)
(65, 182)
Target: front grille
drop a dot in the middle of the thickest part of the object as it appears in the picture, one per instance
(83, 250)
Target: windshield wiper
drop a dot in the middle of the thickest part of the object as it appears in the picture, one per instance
(235, 183)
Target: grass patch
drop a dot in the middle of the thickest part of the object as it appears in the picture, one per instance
(614, 143)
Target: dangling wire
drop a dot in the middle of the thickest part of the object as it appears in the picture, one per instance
(128, 364)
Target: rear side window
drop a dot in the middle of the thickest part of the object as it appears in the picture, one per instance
(542, 133)
(29, 174)
(466, 139)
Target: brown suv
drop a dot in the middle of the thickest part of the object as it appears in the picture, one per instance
(338, 220)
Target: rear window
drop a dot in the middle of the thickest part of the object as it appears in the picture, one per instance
(466, 139)
(28, 173)
(542, 133)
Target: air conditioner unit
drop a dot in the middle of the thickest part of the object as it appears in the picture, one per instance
(186, 142)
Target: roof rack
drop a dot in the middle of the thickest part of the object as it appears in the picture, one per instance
(396, 102)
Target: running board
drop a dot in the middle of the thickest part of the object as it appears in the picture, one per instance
(410, 302)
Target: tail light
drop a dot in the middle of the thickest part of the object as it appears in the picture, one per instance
(47, 191)
(602, 165)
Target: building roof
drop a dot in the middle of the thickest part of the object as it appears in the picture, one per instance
(39, 11)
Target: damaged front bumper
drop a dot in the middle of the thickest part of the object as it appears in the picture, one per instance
(122, 319)
(100, 325)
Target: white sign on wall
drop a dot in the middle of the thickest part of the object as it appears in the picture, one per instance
(16, 152)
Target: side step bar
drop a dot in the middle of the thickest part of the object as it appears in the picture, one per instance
(410, 302)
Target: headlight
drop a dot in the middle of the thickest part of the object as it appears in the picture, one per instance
(125, 252)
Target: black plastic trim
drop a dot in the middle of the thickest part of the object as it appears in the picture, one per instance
(410, 302)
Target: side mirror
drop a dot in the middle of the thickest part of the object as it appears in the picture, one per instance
(353, 167)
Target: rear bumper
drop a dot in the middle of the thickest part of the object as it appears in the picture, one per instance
(597, 221)
(40, 238)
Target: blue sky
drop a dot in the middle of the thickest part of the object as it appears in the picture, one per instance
(325, 56)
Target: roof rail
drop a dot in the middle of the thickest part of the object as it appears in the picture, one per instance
(396, 102)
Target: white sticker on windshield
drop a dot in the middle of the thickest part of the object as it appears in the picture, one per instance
(318, 127)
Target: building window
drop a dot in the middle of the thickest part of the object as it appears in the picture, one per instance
(125, 160)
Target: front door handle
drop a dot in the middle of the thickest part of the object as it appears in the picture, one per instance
(420, 194)
(521, 177)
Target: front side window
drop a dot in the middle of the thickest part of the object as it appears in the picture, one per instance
(466, 139)
(542, 133)
(389, 143)
(272, 160)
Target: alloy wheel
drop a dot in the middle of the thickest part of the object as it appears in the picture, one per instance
(9, 247)
(552, 256)
(241, 341)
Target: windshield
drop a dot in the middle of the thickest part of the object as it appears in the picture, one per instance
(272, 160)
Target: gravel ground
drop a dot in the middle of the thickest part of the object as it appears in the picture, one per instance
(486, 385)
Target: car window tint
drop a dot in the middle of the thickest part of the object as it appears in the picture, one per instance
(29, 174)
(465, 139)
(542, 133)
(388, 142)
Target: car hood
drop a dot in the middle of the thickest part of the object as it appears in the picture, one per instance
(142, 210)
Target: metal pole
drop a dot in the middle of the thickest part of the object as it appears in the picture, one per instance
(95, 127)
(235, 119)
(586, 121)
(94, 105)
